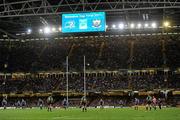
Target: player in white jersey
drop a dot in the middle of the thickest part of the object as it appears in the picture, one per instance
(136, 103)
(149, 102)
(4, 103)
(84, 104)
(50, 102)
(40, 103)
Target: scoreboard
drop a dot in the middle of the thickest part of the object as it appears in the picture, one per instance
(84, 22)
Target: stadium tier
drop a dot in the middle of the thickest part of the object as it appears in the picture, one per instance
(101, 53)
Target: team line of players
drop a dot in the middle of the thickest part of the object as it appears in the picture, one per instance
(151, 102)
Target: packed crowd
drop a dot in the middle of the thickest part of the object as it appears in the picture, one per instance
(94, 84)
(101, 53)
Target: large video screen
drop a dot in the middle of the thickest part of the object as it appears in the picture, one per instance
(84, 22)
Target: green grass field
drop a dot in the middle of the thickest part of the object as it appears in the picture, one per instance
(92, 114)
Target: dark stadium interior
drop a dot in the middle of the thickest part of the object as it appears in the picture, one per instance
(118, 62)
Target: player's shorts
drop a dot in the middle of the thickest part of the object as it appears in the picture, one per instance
(49, 104)
(136, 103)
(154, 103)
(149, 102)
(84, 103)
(3, 104)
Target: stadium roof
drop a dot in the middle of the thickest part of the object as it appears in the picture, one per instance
(18, 16)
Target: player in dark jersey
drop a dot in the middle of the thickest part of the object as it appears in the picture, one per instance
(4, 103)
(136, 103)
(40, 103)
(84, 104)
(101, 103)
(23, 103)
(18, 104)
(65, 103)
(149, 101)
(160, 103)
(50, 102)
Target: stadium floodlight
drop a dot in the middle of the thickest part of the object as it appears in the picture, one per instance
(139, 25)
(53, 29)
(121, 26)
(113, 26)
(60, 29)
(29, 31)
(40, 30)
(166, 24)
(132, 25)
(47, 30)
(146, 25)
(154, 25)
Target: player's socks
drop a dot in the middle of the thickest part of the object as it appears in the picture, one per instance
(159, 106)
